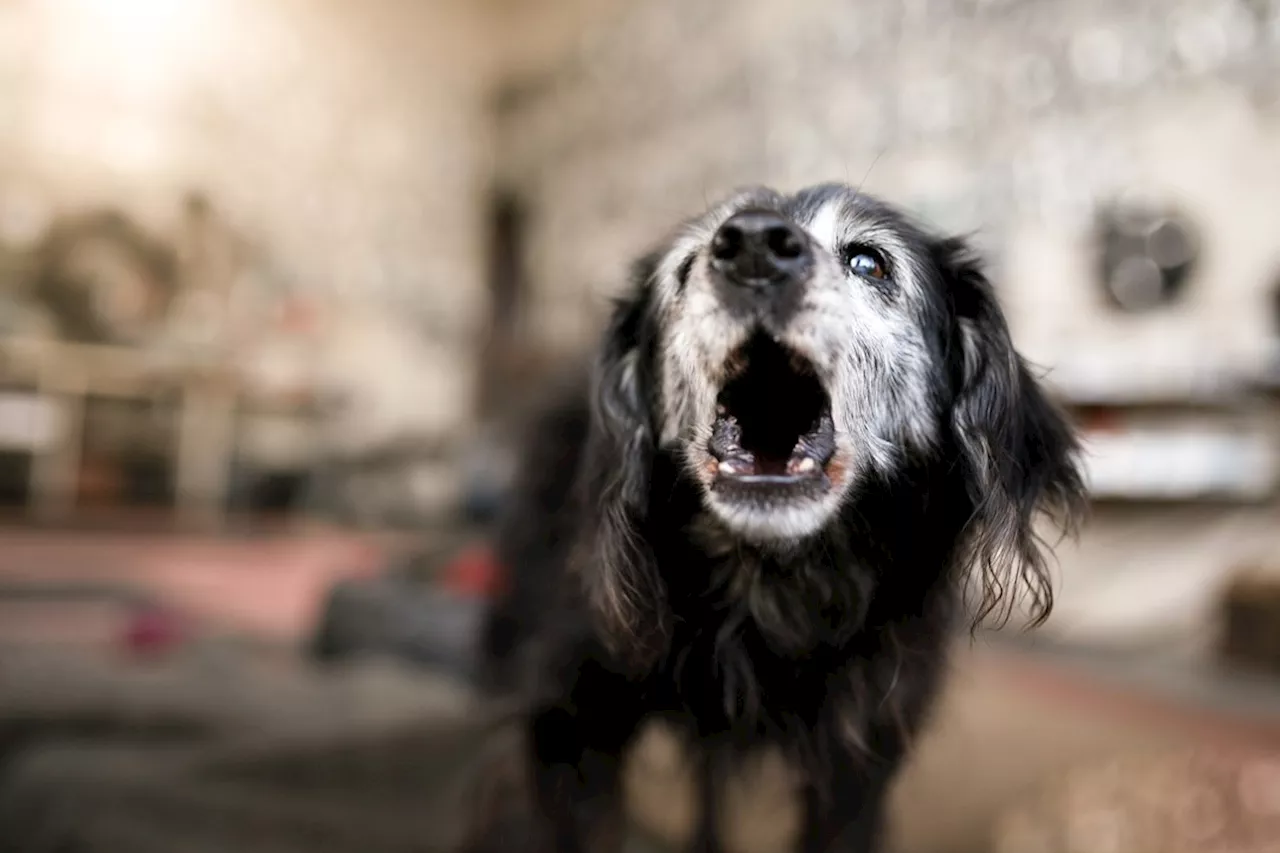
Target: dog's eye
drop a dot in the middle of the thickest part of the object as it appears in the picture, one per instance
(866, 262)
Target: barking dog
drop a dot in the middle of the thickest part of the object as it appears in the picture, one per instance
(806, 436)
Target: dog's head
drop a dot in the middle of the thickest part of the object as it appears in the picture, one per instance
(790, 350)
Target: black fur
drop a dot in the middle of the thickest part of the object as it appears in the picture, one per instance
(630, 602)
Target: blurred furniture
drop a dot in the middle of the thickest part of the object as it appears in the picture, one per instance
(1250, 618)
(1162, 422)
(407, 484)
(62, 375)
(428, 610)
(139, 322)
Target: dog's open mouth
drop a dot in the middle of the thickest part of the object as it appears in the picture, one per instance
(773, 420)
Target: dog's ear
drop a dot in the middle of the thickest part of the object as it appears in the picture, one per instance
(1019, 451)
(618, 570)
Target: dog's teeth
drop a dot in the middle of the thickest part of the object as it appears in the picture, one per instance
(806, 465)
(732, 467)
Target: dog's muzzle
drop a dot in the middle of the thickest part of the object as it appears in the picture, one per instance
(760, 250)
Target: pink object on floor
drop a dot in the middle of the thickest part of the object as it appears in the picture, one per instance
(154, 630)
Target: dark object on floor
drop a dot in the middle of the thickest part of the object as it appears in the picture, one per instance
(402, 619)
(15, 478)
(273, 491)
(1250, 608)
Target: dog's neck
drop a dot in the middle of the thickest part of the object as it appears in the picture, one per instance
(798, 595)
(718, 542)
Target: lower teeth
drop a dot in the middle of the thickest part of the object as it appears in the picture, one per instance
(804, 465)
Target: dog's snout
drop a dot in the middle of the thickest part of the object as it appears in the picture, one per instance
(757, 248)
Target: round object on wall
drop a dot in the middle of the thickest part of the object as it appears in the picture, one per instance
(1146, 256)
(104, 279)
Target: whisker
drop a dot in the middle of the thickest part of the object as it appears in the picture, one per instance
(858, 189)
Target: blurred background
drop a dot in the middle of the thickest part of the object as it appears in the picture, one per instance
(280, 280)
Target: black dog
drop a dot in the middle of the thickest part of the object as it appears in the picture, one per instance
(806, 433)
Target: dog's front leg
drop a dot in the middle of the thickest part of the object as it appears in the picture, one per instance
(844, 810)
(706, 831)
(577, 749)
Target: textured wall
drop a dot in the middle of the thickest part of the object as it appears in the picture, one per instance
(1008, 117)
(343, 137)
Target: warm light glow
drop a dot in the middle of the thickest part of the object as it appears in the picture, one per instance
(140, 22)
(138, 51)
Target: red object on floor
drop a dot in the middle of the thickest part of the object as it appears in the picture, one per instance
(474, 573)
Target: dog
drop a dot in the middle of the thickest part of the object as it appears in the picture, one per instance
(806, 453)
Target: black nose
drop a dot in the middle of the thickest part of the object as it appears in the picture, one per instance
(758, 248)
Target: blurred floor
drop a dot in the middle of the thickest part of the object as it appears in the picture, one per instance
(269, 584)
(1019, 715)
(1013, 718)
(1019, 710)
(1010, 720)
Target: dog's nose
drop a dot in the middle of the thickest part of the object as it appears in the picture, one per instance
(757, 248)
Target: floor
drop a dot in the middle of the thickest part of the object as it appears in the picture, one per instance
(1018, 711)
(268, 584)
(1015, 719)
(1012, 719)
(1010, 722)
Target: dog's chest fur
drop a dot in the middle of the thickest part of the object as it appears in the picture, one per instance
(764, 645)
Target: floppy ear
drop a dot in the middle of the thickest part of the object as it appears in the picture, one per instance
(1019, 451)
(617, 567)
